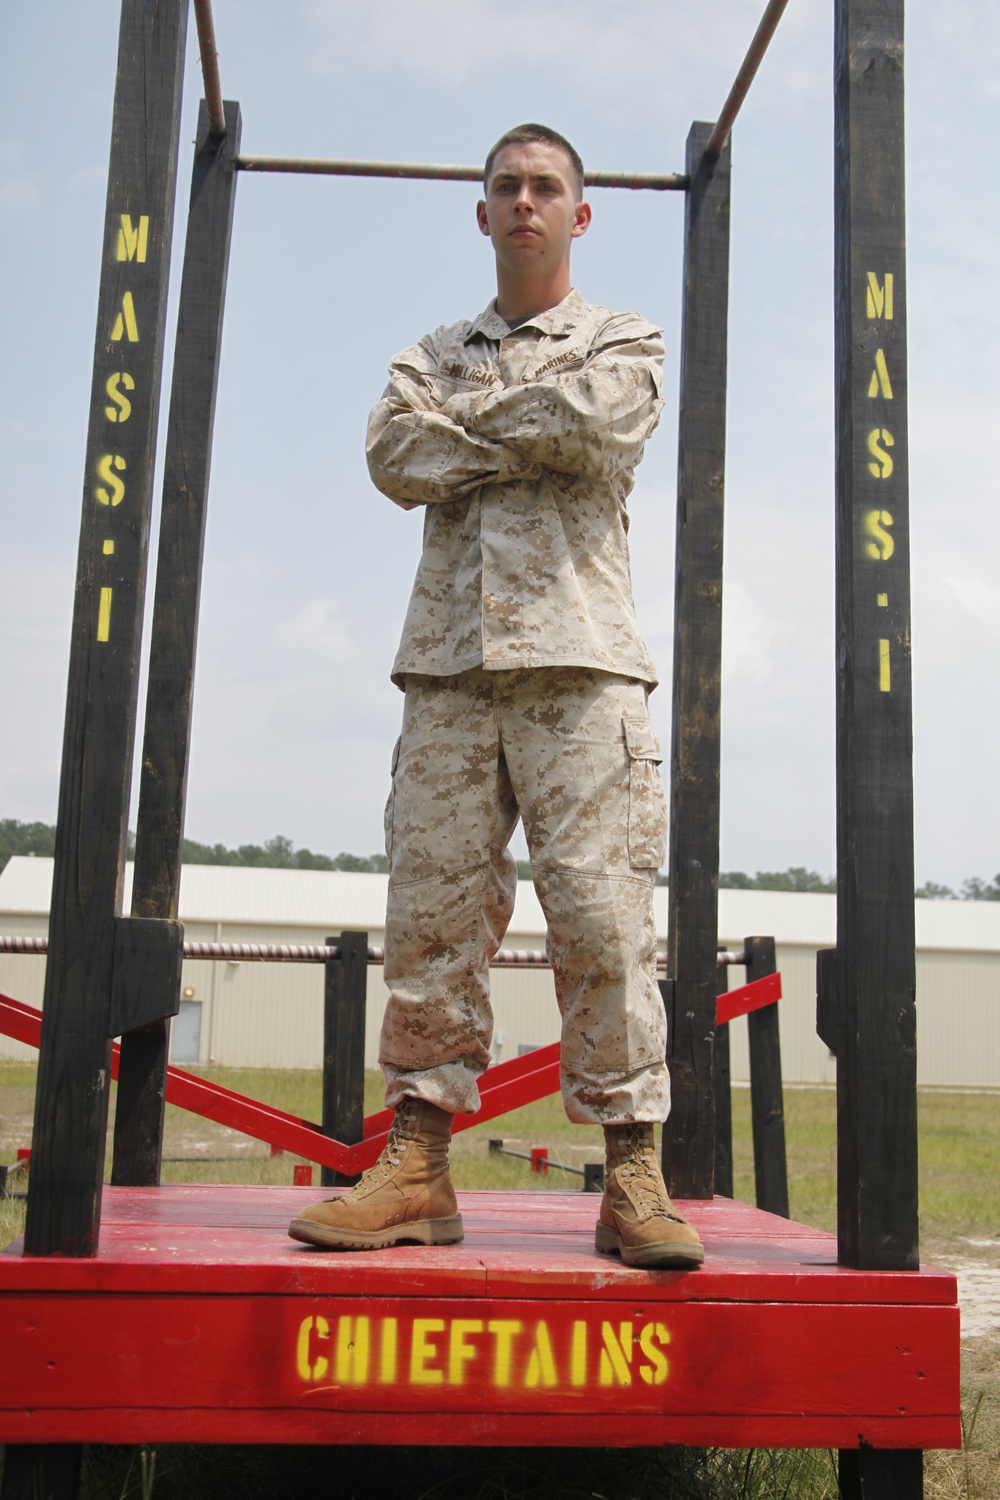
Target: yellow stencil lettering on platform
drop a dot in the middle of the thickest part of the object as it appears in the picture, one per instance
(104, 616)
(504, 1331)
(652, 1338)
(387, 1353)
(616, 1356)
(578, 1355)
(131, 243)
(459, 1350)
(311, 1369)
(352, 1350)
(879, 298)
(422, 1351)
(541, 1364)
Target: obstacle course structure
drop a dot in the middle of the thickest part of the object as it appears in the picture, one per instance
(515, 1336)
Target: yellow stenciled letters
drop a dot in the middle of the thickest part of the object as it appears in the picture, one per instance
(578, 1355)
(882, 545)
(616, 1356)
(880, 297)
(125, 323)
(652, 1338)
(459, 1351)
(541, 1365)
(879, 439)
(106, 466)
(310, 1370)
(880, 385)
(503, 1330)
(131, 244)
(117, 384)
(387, 1354)
(352, 1350)
(422, 1351)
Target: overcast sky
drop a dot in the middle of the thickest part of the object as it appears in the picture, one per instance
(308, 568)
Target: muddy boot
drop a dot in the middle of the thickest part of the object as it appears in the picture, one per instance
(406, 1195)
(637, 1218)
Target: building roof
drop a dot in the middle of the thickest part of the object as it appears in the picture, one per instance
(336, 899)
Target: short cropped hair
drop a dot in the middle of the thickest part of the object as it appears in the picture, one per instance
(521, 135)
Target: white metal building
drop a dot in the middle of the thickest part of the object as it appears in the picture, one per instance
(269, 1014)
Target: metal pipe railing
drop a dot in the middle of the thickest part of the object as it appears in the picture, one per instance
(443, 172)
(320, 953)
(210, 67)
(745, 77)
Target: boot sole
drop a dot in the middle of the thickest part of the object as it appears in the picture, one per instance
(420, 1232)
(662, 1257)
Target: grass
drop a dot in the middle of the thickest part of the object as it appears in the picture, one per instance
(960, 1201)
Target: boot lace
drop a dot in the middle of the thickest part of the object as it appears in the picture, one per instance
(391, 1153)
(639, 1171)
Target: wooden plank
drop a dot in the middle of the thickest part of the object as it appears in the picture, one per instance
(74, 1067)
(345, 1000)
(875, 966)
(331, 1354)
(692, 906)
(722, 1084)
(767, 1106)
(166, 743)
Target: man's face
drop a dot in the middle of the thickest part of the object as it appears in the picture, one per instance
(531, 212)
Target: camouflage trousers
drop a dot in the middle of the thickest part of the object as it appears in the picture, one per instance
(571, 752)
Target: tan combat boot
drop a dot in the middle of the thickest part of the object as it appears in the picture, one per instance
(637, 1218)
(406, 1195)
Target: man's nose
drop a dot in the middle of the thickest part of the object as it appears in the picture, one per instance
(524, 199)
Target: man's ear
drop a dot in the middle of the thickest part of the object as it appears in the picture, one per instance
(481, 219)
(581, 223)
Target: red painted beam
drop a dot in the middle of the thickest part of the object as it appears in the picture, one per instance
(748, 997)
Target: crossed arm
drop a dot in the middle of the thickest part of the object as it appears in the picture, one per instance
(592, 421)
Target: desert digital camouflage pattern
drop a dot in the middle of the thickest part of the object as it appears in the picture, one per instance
(571, 751)
(522, 446)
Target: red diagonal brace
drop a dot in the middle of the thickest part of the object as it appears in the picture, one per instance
(748, 997)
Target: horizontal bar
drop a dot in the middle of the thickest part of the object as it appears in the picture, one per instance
(748, 997)
(319, 953)
(210, 68)
(669, 182)
(745, 77)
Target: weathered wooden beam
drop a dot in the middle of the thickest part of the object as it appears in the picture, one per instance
(689, 1135)
(166, 743)
(873, 973)
(74, 1072)
(344, 1047)
(767, 1106)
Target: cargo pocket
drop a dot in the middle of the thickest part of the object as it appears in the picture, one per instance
(647, 805)
(390, 806)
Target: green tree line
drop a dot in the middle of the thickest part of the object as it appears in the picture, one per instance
(279, 853)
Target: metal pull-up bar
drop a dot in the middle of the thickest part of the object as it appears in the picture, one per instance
(427, 171)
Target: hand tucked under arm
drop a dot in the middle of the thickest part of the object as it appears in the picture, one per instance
(592, 421)
(418, 456)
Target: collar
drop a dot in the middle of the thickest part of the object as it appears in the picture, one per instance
(557, 321)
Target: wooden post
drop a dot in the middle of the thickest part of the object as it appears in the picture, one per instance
(723, 1088)
(142, 1070)
(74, 1072)
(689, 1135)
(767, 1105)
(874, 972)
(344, 1047)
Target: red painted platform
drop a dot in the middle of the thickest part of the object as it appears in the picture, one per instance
(200, 1321)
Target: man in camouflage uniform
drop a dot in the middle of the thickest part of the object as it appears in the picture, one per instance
(526, 681)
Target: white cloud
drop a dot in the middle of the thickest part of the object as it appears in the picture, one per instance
(89, 176)
(747, 637)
